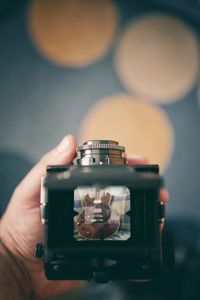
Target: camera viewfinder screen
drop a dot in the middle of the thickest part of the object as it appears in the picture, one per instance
(101, 213)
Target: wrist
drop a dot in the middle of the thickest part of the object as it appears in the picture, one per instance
(14, 279)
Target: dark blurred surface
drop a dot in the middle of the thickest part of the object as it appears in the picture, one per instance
(9, 7)
(190, 8)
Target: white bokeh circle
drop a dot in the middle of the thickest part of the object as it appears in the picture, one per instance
(158, 58)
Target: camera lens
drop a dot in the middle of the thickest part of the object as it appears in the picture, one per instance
(100, 152)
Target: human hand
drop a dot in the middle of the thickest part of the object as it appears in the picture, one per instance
(21, 228)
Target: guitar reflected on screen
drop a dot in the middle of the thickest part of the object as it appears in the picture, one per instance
(95, 221)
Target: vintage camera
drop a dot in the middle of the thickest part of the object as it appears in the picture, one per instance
(102, 218)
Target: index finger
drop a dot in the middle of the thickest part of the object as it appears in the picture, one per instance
(136, 159)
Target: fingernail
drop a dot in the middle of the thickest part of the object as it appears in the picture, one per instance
(65, 144)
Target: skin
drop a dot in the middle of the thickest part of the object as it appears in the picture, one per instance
(21, 228)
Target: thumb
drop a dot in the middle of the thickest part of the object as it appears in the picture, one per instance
(61, 154)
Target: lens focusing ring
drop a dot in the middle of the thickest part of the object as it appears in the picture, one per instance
(100, 152)
(112, 145)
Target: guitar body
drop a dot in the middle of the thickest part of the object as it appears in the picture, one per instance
(94, 221)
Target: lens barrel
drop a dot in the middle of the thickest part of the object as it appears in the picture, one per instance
(100, 152)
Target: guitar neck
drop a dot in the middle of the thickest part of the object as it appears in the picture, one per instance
(97, 198)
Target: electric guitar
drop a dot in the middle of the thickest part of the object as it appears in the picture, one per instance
(95, 222)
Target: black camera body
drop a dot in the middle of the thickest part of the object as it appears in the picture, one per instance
(116, 234)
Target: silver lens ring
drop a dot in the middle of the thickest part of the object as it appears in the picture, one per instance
(100, 152)
(97, 145)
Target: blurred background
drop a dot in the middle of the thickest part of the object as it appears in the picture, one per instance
(102, 69)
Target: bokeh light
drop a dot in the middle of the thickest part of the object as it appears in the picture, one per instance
(141, 127)
(158, 58)
(72, 33)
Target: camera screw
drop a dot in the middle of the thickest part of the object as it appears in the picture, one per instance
(39, 250)
(56, 268)
(146, 268)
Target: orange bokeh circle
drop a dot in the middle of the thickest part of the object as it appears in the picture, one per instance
(141, 127)
(74, 32)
